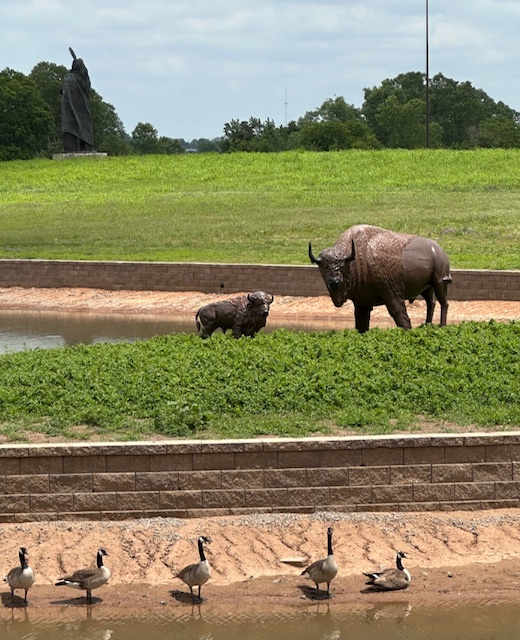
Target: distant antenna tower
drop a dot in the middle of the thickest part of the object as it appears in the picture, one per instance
(285, 105)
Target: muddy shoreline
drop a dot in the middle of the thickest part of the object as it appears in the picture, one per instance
(289, 309)
(460, 556)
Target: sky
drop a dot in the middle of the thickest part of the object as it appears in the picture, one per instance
(190, 66)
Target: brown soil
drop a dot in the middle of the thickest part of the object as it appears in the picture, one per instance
(451, 556)
(473, 555)
(285, 309)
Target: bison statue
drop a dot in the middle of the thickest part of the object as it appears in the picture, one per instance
(373, 266)
(244, 315)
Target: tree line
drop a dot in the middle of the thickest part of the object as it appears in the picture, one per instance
(393, 115)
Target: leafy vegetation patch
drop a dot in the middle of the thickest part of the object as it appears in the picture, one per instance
(283, 383)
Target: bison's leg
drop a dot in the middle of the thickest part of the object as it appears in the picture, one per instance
(362, 316)
(237, 330)
(397, 309)
(430, 304)
(441, 291)
(207, 330)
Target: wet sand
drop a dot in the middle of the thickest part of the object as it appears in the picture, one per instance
(462, 556)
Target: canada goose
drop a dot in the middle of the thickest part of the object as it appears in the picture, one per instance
(323, 570)
(21, 577)
(88, 579)
(199, 573)
(391, 579)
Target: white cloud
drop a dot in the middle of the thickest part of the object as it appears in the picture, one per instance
(189, 66)
(456, 35)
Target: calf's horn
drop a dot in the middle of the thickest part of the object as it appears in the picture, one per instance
(312, 257)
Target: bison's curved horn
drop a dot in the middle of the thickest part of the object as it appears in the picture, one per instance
(272, 298)
(312, 257)
(352, 254)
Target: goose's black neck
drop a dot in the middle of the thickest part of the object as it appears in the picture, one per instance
(99, 559)
(23, 560)
(329, 542)
(399, 562)
(201, 550)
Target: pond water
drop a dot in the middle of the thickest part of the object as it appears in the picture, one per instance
(32, 330)
(325, 621)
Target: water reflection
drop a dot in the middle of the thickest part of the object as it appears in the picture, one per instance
(320, 621)
(32, 330)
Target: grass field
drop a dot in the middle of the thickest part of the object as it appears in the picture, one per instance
(260, 207)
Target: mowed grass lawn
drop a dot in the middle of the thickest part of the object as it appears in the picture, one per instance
(260, 207)
(263, 209)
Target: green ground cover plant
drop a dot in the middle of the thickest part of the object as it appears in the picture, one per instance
(260, 207)
(282, 383)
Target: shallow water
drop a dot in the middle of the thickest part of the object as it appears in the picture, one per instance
(325, 621)
(29, 330)
(32, 330)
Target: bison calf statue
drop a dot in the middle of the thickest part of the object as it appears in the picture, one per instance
(244, 315)
(373, 266)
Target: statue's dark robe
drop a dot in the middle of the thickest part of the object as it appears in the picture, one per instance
(76, 117)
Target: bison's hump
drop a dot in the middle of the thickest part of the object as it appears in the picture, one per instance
(378, 259)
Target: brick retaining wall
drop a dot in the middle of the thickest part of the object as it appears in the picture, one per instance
(222, 278)
(212, 478)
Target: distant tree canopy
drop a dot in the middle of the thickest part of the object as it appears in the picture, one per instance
(460, 115)
(146, 140)
(393, 115)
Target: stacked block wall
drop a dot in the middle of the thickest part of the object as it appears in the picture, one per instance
(222, 278)
(186, 479)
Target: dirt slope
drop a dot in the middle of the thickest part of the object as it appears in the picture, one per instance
(456, 555)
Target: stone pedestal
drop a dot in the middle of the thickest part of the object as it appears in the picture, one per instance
(84, 154)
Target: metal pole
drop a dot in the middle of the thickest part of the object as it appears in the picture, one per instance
(427, 81)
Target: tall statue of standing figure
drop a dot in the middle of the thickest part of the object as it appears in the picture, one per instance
(76, 117)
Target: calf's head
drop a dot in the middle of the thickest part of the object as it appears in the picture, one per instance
(334, 266)
(261, 302)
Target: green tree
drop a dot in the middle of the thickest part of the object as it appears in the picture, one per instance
(401, 89)
(203, 145)
(459, 109)
(238, 134)
(402, 124)
(145, 139)
(499, 132)
(169, 146)
(336, 135)
(26, 122)
(109, 132)
(49, 78)
(270, 138)
(332, 110)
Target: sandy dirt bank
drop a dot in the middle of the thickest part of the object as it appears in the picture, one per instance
(285, 309)
(460, 555)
